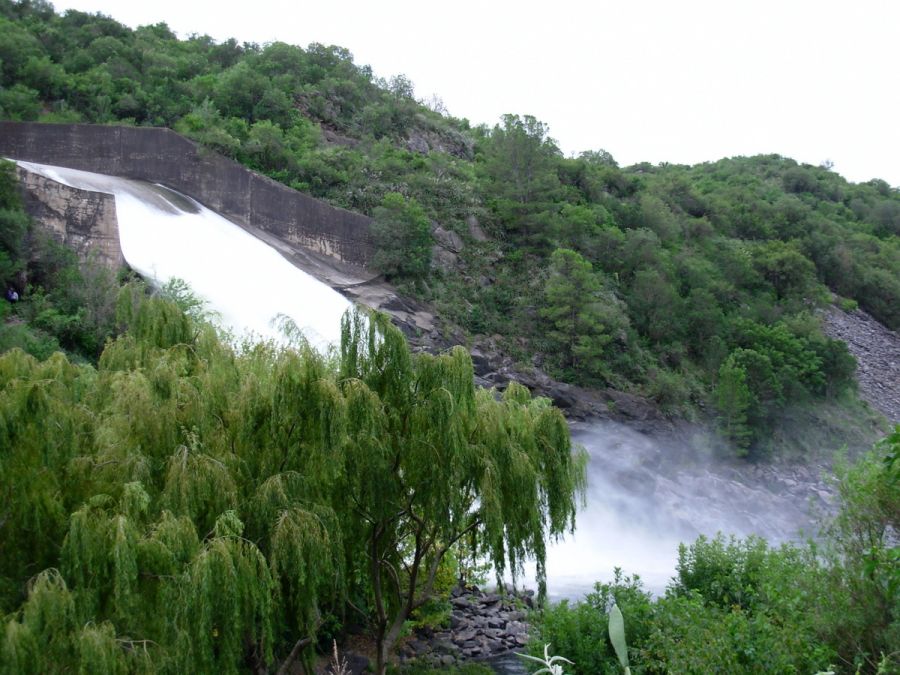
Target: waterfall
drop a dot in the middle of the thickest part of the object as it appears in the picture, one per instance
(246, 283)
(644, 496)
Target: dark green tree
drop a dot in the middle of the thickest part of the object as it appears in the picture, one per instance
(402, 237)
(734, 401)
(520, 167)
(581, 317)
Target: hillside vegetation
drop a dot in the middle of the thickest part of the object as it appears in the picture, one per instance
(172, 503)
(696, 286)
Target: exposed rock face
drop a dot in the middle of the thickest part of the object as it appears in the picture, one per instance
(163, 156)
(475, 230)
(83, 220)
(447, 244)
(423, 141)
(877, 352)
(448, 239)
(493, 368)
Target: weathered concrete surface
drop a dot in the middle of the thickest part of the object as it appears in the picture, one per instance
(83, 220)
(165, 157)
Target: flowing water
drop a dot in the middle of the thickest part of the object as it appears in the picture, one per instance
(644, 495)
(247, 283)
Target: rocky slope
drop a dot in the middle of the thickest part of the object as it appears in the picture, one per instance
(877, 352)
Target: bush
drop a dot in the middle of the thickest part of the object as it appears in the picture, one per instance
(579, 631)
(403, 239)
(862, 614)
(690, 636)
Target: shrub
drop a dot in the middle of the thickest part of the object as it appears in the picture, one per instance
(580, 631)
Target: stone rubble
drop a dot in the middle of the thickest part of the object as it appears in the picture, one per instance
(877, 352)
(482, 626)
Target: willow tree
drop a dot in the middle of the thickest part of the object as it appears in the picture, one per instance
(42, 428)
(354, 477)
(430, 460)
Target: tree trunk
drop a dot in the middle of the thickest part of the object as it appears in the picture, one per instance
(381, 659)
(295, 652)
(387, 640)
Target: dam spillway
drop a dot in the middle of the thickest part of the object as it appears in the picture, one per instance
(247, 284)
(162, 156)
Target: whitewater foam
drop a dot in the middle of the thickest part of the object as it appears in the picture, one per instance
(246, 283)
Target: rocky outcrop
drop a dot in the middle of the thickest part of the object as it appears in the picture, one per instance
(447, 246)
(493, 368)
(83, 220)
(163, 156)
(424, 140)
(877, 352)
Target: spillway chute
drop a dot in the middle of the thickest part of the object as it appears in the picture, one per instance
(246, 283)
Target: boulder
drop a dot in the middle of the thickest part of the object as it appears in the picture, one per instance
(448, 239)
(475, 230)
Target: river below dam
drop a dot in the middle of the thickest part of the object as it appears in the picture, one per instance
(644, 496)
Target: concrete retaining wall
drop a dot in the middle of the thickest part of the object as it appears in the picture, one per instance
(165, 157)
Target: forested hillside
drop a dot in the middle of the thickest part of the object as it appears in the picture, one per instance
(173, 503)
(696, 286)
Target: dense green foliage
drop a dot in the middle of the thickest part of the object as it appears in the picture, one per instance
(403, 239)
(740, 606)
(183, 507)
(696, 284)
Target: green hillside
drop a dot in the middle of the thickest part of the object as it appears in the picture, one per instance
(170, 503)
(695, 286)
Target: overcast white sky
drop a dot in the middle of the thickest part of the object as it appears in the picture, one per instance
(647, 80)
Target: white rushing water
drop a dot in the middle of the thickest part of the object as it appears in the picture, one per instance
(645, 496)
(244, 281)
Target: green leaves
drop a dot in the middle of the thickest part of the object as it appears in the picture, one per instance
(228, 602)
(215, 505)
(581, 317)
(519, 165)
(402, 236)
(734, 401)
(550, 663)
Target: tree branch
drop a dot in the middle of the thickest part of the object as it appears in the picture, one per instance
(295, 652)
(439, 555)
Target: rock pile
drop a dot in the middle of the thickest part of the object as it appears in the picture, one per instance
(482, 626)
(877, 352)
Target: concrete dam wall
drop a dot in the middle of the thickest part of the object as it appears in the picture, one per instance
(84, 220)
(165, 157)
